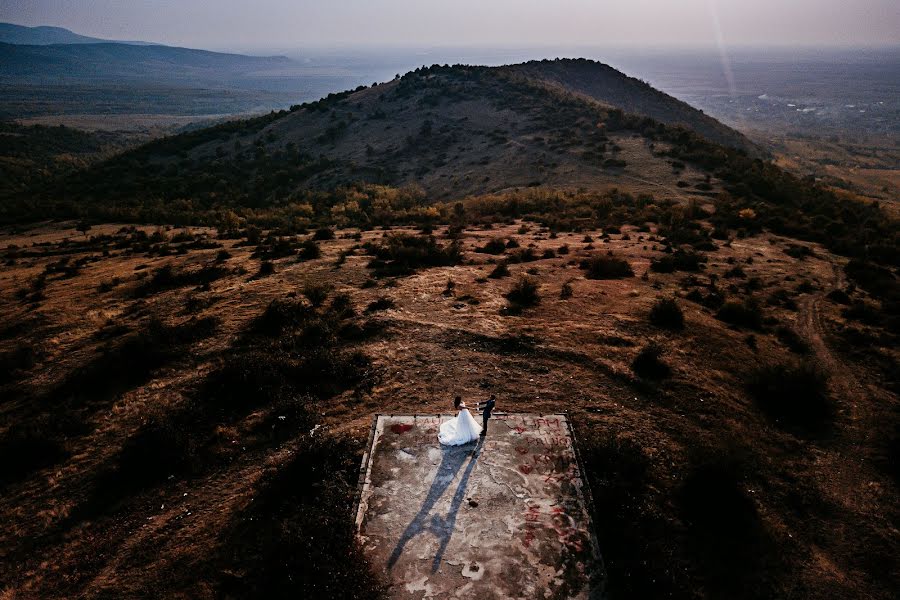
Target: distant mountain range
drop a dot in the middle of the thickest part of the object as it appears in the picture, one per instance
(56, 56)
(111, 62)
(10, 33)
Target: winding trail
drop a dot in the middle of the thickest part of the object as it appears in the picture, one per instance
(813, 327)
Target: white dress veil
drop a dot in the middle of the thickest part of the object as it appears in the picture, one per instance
(461, 429)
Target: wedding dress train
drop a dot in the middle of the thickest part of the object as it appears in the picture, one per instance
(461, 429)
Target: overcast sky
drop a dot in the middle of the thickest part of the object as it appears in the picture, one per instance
(235, 24)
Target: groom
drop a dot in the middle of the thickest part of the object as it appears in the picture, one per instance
(486, 414)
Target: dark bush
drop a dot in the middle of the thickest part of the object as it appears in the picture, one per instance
(309, 250)
(741, 314)
(403, 254)
(679, 260)
(382, 303)
(323, 233)
(648, 364)
(316, 293)
(281, 316)
(606, 267)
(494, 246)
(735, 272)
(524, 293)
(266, 268)
(795, 396)
(666, 314)
(167, 278)
(523, 255)
(500, 271)
(798, 251)
(839, 297)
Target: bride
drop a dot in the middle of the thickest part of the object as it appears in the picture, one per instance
(461, 429)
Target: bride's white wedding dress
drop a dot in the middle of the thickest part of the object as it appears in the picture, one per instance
(461, 429)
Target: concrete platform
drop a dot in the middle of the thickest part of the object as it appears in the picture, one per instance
(505, 517)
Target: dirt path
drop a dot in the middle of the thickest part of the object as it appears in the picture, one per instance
(812, 325)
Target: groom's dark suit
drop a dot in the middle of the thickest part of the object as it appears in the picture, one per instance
(486, 414)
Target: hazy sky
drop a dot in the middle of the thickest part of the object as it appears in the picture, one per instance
(297, 23)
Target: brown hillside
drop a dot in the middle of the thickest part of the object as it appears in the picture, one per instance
(605, 84)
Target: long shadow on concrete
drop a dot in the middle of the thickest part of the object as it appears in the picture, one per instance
(452, 460)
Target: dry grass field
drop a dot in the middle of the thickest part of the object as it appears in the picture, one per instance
(243, 367)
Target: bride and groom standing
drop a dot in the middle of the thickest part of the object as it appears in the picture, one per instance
(463, 428)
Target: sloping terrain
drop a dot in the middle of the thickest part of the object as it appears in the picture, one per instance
(452, 131)
(182, 420)
(613, 88)
(185, 409)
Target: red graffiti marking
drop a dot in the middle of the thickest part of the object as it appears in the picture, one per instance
(521, 450)
(525, 468)
(400, 427)
(520, 430)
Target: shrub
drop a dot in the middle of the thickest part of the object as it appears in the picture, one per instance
(524, 293)
(494, 246)
(741, 314)
(323, 233)
(108, 286)
(280, 316)
(566, 292)
(316, 293)
(382, 303)
(648, 364)
(522, 255)
(666, 314)
(309, 250)
(735, 272)
(167, 278)
(839, 297)
(266, 268)
(606, 267)
(403, 254)
(795, 396)
(680, 260)
(798, 251)
(500, 271)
